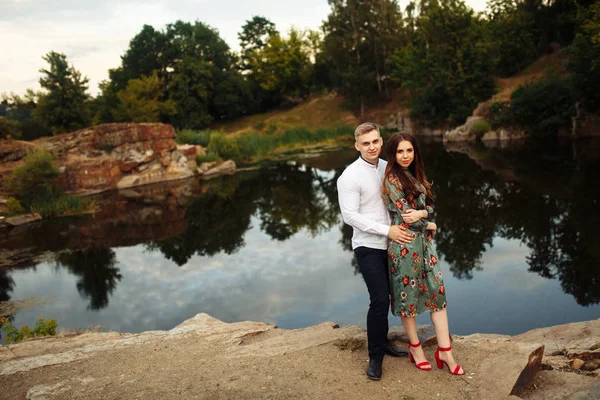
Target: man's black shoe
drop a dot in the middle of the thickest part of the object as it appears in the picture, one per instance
(394, 351)
(374, 370)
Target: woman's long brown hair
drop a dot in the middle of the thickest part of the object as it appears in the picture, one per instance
(416, 167)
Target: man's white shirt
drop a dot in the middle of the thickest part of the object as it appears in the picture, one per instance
(359, 196)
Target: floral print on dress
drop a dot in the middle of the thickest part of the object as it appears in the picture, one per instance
(415, 278)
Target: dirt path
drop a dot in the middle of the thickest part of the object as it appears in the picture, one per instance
(205, 358)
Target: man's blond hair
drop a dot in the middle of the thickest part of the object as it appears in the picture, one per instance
(365, 128)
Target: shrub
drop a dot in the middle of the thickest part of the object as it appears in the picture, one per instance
(14, 207)
(188, 136)
(544, 106)
(480, 127)
(225, 147)
(9, 129)
(42, 328)
(60, 205)
(34, 179)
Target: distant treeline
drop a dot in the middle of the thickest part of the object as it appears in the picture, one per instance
(443, 54)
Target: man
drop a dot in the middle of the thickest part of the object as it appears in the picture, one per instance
(359, 195)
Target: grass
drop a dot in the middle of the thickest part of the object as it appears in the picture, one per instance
(319, 112)
(188, 136)
(254, 147)
(62, 205)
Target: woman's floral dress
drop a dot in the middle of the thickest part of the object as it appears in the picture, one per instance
(415, 276)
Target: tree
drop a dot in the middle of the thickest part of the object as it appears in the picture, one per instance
(585, 60)
(254, 36)
(146, 54)
(142, 100)
(514, 35)
(359, 38)
(64, 106)
(191, 88)
(448, 66)
(283, 66)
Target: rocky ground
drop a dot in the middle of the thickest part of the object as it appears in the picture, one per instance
(205, 358)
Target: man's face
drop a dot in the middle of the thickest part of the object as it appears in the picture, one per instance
(369, 144)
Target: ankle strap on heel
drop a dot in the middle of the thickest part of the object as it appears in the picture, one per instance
(414, 345)
(445, 348)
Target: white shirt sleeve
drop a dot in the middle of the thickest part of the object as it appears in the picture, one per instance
(349, 200)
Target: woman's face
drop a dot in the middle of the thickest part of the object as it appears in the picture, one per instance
(405, 154)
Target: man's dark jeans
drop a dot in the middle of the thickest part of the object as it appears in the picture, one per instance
(374, 269)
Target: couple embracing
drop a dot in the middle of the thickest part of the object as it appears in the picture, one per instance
(389, 205)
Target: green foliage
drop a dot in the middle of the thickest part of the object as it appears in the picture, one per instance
(14, 206)
(206, 158)
(282, 67)
(9, 129)
(191, 88)
(513, 30)
(585, 59)
(34, 185)
(545, 106)
(254, 36)
(250, 147)
(142, 100)
(359, 39)
(61, 205)
(480, 127)
(188, 136)
(64, 106)
(34, 178)
(501, 115)
(225, 146)
(448, 66)
(42, 328)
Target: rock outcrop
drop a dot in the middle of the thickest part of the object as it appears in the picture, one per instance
(112, 156)
(119, 156)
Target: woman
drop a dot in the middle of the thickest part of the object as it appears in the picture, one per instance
(415, 277)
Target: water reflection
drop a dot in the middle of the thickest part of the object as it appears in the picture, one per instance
(542, 195)
(287, 198)
(539, 194)
(96, 271)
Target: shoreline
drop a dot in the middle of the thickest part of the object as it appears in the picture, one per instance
(207, 358)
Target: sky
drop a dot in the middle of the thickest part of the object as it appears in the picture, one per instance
(94, 34)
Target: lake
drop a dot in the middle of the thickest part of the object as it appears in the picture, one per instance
(518, 240)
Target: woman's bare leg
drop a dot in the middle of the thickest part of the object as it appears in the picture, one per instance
(410, 327)
(442, 333)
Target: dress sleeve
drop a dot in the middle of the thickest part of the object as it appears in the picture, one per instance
(430, 212)
(393, 197)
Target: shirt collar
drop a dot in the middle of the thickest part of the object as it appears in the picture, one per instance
(368, 164)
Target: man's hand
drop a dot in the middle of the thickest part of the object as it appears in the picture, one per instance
(400, 235)
(412, 216)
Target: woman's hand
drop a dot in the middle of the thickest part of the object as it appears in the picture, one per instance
(431, 230)
(411, 216)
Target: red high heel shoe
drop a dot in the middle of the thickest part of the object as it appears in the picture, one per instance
(420, 365)
(440, 363)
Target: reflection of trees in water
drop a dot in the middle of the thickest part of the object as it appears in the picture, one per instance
(551, 209)
(96, 270)
(288, 198)
(7, 284)
(466, 210)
